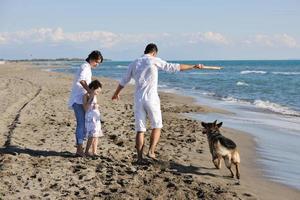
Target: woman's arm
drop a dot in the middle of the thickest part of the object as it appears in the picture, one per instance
(85, 102)
(85, 86)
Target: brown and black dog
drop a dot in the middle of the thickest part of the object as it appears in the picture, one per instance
(221, 147)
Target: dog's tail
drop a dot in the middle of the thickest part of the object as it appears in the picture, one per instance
(227, 143)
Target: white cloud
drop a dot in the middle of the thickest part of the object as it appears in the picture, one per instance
(2, 39)
(210, 37)
(106, 39)
(287, 40)
(54, 36)
(279, 40)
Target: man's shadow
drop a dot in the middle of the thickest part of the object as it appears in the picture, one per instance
(15, 150)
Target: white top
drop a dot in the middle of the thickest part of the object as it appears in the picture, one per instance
(83, 73)
(144, 71)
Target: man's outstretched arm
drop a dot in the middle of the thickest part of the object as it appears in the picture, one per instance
(184, 67)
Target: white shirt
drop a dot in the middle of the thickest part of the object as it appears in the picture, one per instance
(84, 73)
(144, 71)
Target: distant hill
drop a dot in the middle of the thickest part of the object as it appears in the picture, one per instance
(54, 59)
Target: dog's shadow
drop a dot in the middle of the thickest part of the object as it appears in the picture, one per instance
(190, 169)
(14, 150)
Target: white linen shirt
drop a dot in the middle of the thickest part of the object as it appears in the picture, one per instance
(84, 73)
(144, 71)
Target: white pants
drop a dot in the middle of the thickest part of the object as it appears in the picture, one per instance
(142, 108)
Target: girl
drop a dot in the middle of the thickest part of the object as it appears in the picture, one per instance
(92, 117)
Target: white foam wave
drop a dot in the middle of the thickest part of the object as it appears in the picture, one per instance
(286, 73)
(275, 107)
(230, 99)
(253, 72)
(241, 83)
(204, 73)
(162, 86)
(122, 66)
(208, 93)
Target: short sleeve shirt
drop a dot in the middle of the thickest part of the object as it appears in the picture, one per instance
(84, 73)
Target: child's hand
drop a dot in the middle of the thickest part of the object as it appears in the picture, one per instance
(96, 106)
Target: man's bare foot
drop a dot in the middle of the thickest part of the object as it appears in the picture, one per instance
(95, 154)
(141, 162)
(151, 155)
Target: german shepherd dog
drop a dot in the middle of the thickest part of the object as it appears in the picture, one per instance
(221, 147)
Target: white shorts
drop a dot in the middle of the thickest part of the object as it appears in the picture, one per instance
(144, 108)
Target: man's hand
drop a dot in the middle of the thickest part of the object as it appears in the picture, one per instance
(198, 66)
(201, 66)
(115, 97)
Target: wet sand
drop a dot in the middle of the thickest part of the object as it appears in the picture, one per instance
(37, 148)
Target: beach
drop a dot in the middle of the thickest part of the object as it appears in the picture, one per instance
(37, 148)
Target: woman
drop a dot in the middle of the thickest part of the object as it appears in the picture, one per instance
(82, 79)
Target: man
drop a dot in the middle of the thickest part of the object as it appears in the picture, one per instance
(144, 71)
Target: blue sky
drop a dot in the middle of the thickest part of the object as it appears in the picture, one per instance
(194, 29)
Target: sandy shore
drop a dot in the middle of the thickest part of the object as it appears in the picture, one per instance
(37, 144)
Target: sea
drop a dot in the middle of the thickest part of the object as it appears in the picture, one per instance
(262, 95)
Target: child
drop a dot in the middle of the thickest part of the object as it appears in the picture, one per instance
(92, 117)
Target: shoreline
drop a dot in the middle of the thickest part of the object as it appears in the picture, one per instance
(187, 160)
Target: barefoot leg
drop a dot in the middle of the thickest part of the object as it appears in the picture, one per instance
(155, 135)
(94, 145)
(88, 145)
(139, 140)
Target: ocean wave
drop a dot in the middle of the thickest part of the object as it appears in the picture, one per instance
(204, 73)
(162, 86)
(234, 100)
(209, 93)
(286, 73)
(253, 72)
(275, 108)
(122, 66)
(241, 83)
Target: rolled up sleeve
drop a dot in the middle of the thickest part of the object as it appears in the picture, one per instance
(127, 77)
(83, 75)
(169, 67)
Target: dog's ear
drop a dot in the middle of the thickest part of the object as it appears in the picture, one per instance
(219, 124)
(203, 124)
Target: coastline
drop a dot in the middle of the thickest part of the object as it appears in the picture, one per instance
(46, 120)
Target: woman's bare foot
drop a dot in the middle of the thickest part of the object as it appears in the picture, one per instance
(79, 151)
(80, 154)
(88, 154)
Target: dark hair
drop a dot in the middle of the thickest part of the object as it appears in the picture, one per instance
(95, 84)
(95, 55)
(151, 48)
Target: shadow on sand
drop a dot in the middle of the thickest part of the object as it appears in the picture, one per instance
(14, 150)
(190, 169)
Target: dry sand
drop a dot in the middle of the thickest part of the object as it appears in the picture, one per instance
(37, 145)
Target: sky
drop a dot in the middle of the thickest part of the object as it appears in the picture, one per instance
(182, 30)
